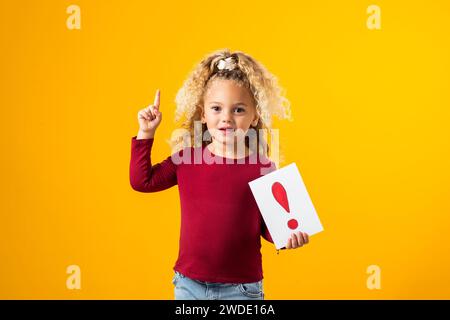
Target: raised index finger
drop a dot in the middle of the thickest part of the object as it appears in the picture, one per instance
(157, 98)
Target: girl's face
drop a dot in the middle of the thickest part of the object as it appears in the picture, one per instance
(228, 109)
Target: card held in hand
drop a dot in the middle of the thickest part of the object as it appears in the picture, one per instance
(285, 204)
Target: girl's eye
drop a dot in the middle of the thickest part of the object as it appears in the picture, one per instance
(236, 110)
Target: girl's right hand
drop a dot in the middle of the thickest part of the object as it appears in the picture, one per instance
(150, 118)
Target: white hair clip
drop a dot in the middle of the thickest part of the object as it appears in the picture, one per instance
(228, 64)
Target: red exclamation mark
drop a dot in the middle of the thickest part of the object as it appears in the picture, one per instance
(280, 195)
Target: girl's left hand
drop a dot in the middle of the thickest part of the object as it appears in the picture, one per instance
(297, 240)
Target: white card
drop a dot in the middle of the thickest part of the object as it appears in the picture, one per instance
(285, 204)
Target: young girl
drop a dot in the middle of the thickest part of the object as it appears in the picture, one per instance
(226, 96)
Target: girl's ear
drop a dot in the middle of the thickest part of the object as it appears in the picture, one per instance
(255, 122)
(202, 117)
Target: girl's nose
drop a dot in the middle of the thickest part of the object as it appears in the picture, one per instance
(227, 122)
(227, 117)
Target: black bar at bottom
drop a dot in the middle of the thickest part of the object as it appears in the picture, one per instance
(214, 309)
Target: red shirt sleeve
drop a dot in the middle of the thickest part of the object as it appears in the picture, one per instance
(265, 232)
(147, 178)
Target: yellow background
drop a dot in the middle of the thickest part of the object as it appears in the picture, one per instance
(370, 136)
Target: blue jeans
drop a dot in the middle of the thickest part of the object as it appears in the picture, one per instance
(190, 289)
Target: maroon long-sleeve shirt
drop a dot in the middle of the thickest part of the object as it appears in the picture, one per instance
(221, 224)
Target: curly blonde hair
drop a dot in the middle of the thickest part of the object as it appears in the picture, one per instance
(249, 73)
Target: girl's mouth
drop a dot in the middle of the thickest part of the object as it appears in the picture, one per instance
(226, 131)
